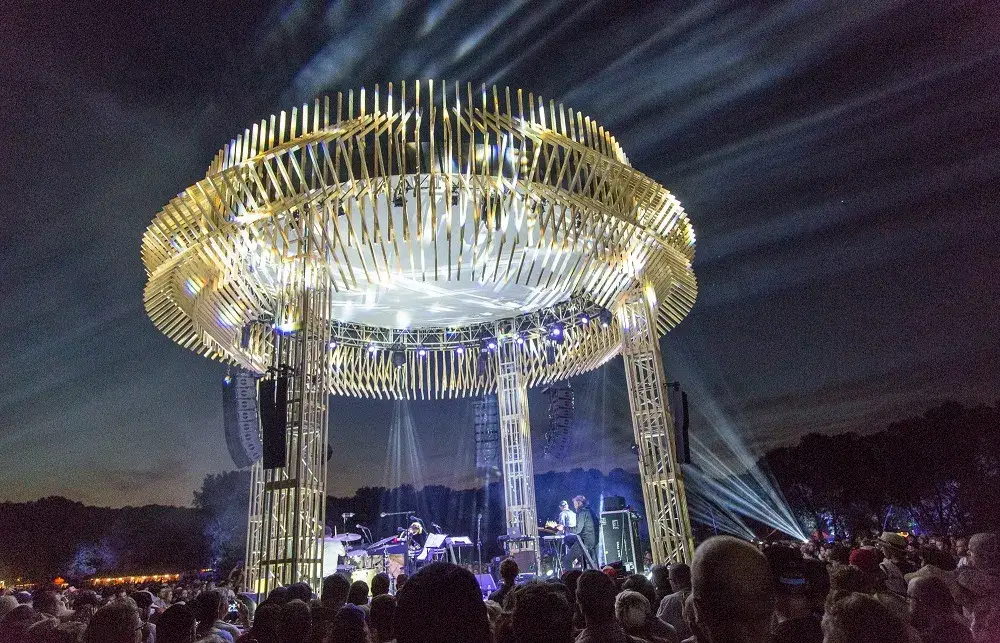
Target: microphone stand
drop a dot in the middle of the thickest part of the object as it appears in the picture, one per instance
(479, 542)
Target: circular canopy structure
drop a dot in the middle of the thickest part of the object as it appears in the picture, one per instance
(435, 220)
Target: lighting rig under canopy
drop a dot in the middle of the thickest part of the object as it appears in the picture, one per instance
(425, 240)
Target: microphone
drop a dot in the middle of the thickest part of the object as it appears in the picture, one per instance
(383, 515)
(437, 526)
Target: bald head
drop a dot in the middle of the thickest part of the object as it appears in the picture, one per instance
(733, 591)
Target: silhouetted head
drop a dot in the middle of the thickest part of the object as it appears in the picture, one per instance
(733, 591)
(335, 590)
(595, 594)
(441, 603)
(859, 618)
(509, 571)
(380, 584)
(358, 593)
(176, 625)
(294, 622)
(381, 616)
(542, 614)
(117, 622)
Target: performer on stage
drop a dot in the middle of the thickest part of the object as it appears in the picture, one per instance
(566, 516)
(415, 538)
(585, 533)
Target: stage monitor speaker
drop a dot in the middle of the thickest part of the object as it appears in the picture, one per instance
(239, 414)
(613, 503)
(620, 539)
(274, 420)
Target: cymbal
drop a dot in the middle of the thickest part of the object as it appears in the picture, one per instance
(346, 537)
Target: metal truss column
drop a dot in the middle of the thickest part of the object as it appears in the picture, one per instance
(515, 449)
(288, 504)
(662, 481)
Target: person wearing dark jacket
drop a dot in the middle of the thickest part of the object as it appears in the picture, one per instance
(585, 533)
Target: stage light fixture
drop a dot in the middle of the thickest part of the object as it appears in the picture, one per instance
(372, 348)
(605, 318)
(488, 344)
(557, 332)
(584, 318)
(521, 338)
(421, 351)
(398, 358)
(459, 349)
(333, 343)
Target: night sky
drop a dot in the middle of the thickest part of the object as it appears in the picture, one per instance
(839, 161)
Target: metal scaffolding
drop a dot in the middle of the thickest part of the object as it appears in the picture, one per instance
(288, 503)
(662, 481)
(515, 448)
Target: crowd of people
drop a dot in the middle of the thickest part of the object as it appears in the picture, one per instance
(889, 590)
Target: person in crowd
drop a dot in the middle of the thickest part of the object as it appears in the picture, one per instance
(176, 624)
(961, 551)
(541, 615)
(508, 575)
(634, 613)
(794, 620)
(697, 636)
(733, 590)
(441, 603)
(978, 587)
(381, 617)
(357, 594)
(895, 565)
(570, 578)
(670, 609)
(654, 626)
(300, 592)
(349, 625)
(334, 593)
(660, 577)
(933, 613)
(876, 582)
(144, 603)
(380, 584)
(210, 609)
(859, 618)
(294, 622)
(401, 580)
(116, 622)
(7, 603)
(266, 621)
(595, 594)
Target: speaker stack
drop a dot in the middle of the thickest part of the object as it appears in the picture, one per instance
(239, 413)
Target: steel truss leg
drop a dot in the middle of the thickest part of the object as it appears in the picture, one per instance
(662, 481)
(288, 504)
(515, 449)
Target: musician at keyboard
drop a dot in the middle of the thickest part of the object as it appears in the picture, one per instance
(583, 536)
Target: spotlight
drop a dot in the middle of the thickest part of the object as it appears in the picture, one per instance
(488, 344)
(521, 338)
(459, 349)
(227, 380)
(333, 343)
(605, 318)
(372, 348)
(398, 358)
(557, 332)
(584, 318)
(421, 351)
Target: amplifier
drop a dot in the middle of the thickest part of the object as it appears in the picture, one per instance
(620, 540)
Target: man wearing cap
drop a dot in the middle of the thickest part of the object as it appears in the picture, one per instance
(895, 565)
(567, 518)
